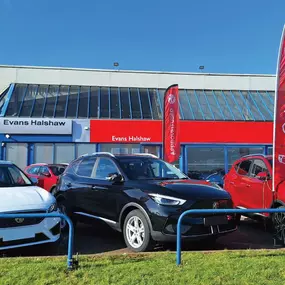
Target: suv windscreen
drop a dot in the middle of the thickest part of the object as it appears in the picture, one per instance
(12, 176)
(148, 168)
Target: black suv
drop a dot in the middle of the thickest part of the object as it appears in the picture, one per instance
(142, 196)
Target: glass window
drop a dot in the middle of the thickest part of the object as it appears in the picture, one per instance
(270, 151)
(105, 168)
(268, 99)
(244, 167)
(236, 153)
(16, 100)
(145, 104)
(262, 105)
(104, 103)
(3, 99)
(84, 148)
(115, 108)
(37, 110)
(43, 153)
(249, 102)
(185, 105)
(11, 176)
(257, 167)
(85, 167)
(33, 170)
(194, 104)
(64, 152)
(153, 149)
(28, 101)
(94, 108)
(143, 168)
(204, 105)
(224, 105)
(50, 101)
(72, 101)
(120, 148)
(215, 107)
(83, 102)
(44, 170)
(136, 106)
(17, 153)
(236, 109)
(61, 102)
(247, 115)
(125, 103)
(155, 104)
(205, 161)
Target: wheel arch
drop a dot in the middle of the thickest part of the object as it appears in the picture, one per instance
(277, 203)
(130, 207)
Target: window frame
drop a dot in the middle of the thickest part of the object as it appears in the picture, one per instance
(78, 164)
(249, 170)
(94, 173)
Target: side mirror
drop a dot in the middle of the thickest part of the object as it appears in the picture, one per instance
(115, 177)
(46, 174)
(34, 180)
(262, 176)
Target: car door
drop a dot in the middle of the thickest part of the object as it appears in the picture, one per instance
(242, 183)
(106, 194)
(45, 178)
(259, 193)
(81, 187)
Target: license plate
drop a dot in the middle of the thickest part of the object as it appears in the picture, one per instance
(215, 221)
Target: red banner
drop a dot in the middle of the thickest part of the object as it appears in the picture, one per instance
(171, 139)
(279, 120)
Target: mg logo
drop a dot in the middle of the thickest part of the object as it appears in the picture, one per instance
(19, 220)
(215, 205)
(171, 99)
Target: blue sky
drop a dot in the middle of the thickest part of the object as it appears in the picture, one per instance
(240, 36)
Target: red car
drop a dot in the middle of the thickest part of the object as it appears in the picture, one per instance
(47, 174)
(250, 184)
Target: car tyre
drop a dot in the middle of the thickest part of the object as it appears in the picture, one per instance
(278, 226)
(137, 232)
(52, 191)
(63, 208)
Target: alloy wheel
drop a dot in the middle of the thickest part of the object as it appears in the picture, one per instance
(135, 232)
(279, 226)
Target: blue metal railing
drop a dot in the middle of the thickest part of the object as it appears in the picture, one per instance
(215, 211)
(70, 261)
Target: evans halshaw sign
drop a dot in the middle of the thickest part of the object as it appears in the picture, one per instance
(35, 126)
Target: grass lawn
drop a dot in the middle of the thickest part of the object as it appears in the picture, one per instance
(225, 267)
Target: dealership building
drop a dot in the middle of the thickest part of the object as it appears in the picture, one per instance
(54, 115)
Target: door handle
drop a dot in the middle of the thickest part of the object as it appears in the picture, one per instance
(247, 185)
(94, 187)
(232, 183)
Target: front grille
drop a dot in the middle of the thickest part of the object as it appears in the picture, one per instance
(208, 204)
(38, 237)
(19, 222)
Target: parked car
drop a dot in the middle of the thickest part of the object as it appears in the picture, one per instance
(47, 174)
(249, 182)
(19, 195)
(141, 196)
(216, 176)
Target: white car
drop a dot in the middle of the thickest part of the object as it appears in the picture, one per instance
(18, 194)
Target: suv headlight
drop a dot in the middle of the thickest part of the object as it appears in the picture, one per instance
(52, 208)
(166, 200)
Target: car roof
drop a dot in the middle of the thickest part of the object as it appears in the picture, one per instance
(47, 164)
(108, 154)
(5, 162)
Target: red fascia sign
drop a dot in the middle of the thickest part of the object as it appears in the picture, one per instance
(150, 131)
